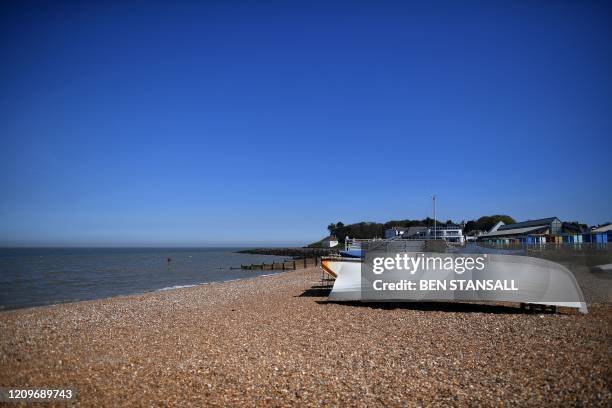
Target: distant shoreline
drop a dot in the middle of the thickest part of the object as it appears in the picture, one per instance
(295, 252)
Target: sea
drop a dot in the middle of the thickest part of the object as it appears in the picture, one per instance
(46, 276)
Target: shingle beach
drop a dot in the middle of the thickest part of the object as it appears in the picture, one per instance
(275, 340)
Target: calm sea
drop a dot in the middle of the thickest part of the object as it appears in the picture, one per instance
(43, 276)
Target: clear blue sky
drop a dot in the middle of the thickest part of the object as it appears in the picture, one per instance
(261, 122)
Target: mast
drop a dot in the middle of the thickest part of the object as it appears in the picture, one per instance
(434, 208)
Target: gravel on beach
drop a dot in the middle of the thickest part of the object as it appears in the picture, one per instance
(274, 340)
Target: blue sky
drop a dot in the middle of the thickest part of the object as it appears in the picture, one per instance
(206, 123)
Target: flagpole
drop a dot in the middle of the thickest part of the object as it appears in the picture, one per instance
(435, 225)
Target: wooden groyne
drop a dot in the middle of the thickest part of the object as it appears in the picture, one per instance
(289, 264)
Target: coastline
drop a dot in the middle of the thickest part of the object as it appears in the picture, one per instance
(136, 294)
(275, 340)
(287, 251)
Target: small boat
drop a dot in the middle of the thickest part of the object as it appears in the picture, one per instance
(351, 253)
(541, 281)
(336, 266)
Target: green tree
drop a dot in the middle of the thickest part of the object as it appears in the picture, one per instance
(470, 226)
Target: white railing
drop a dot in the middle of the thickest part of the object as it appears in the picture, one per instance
(392, 244)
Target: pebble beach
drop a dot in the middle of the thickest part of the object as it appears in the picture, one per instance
(275, 340)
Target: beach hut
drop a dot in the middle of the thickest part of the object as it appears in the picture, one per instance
(601, 235)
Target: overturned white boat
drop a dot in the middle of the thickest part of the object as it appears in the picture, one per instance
(534, 280)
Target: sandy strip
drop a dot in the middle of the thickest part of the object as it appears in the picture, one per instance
(275, 341)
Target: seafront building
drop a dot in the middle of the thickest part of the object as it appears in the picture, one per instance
(544, 231)
(532, 231)
(405, 232)
(550, 230)
(395, 232)
(448, 233)
(601, 235)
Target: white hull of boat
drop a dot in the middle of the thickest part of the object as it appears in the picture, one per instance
(540, 273)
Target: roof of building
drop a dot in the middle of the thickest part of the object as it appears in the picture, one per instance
(497, 226)
(511, 231)
(530, 223)
(414, 230)
(605, 228)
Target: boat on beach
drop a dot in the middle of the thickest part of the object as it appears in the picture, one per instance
(542, 282)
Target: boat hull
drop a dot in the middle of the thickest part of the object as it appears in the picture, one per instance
(536, 273)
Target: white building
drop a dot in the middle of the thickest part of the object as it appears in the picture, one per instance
(329, 242)
(395, 232)
(449, 233)
(403, 232)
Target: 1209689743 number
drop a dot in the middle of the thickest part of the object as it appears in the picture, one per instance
(35, 394)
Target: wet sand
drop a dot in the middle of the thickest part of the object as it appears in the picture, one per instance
(274, 340)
